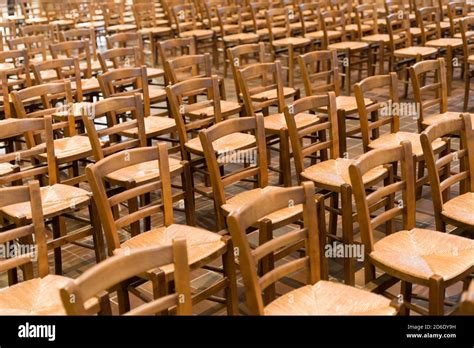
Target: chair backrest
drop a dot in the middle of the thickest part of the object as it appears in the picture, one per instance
(428, 94)
(365, 203)
(79, 49)
(185, 16)
(188, 67)
(248, 161)
(7, 32)
(242, 55)
(145, 15)
(366, 14)
(81, 34)
(386, 106)
(34, 45)
(327, 124)
(333, 20)
(457, 10)
(320, 72)
(10, 196)
(113, 108)
(111, 272)
(188, 126)
(398, 27)
(254, 213)
(173, 48)
(429, 19)
(126, 81)
(65, 69)
(310, 14)
(258, 80)
(442, 172)
(120, 57)
(467, 33)
(97, 177)
(15, 74)
(46, 30)
(278, 18)
(230, 20)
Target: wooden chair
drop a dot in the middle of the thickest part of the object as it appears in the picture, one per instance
(82, 34)
(45, 30)
(310, 16)
(355, 54)
(457, 10)
(188, 126)
(98, 280)
(34, 45)
(467, 34)
(403, 255)
(60, 200)
(34, 295)
(320, 72)
(430, 94)
(129, 134)
(402, 52)
(123, 57)
(150, 27)
(15, 74)
(204, 247)
(114, 19)
(128, 81)
(7, 32)
(197, 66)
(186, 26)
(231, 31)
(443, 173)
(318, 296)
(429, 19)
(330, 174)
(247, 160)
(173, 48)
(260, 27)
(387, 111)
(60, 70)
(261, 87)
(282, 43)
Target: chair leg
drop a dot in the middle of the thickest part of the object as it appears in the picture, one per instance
(97, 234)
(436, 297)
(59, 229)
(467, 87)
(341, 125)
(406, 291)
(334, 203)
(228, 262)
(285, 166)
(188, 195)
(291, 75)
(347, 233)
(123, 298)
(421, 173)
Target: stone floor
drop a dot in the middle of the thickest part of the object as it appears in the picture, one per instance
(77, 259)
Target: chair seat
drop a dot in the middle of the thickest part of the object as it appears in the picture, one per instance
(199, 33)
(348, 45)
(443, 25)
(227, 108)
(6, 168)
(272, 94)
(154, 72)
(88, 85)
(245, 197)
(470, 59)
(444, 42)
(460, 208)
(155, 31)
(154, 125)
(349, 103)
(156, 93)
(122, 27)
(295, 41)
(414, 51)
(56, 199)
(142, 172)
(201, 243)
(379, 38)
(94, 24)
(423, 253)
(335, 172)
(230, 142)
(275, 122)
(354, 27)
(276, 31)
(318, 35)
(330, 298)
(415, 31)
(39, 296)
(242, 37)
(394, 139)
(62, 22)
(429, 120)
(70, 147)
